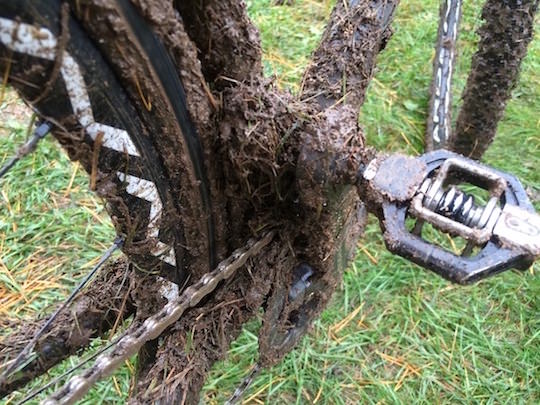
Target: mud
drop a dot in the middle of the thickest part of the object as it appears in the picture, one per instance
(504, 36)
(103, 20)
(272, 160)
(260, 132)
(228, 43)
(332, 220)
(342, 65)
(204, 334)
(129, 216)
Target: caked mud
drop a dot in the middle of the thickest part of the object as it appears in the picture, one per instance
(268, 160)
(504, 37)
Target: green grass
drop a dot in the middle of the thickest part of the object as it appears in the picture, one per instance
(52, 230)
(394, 333)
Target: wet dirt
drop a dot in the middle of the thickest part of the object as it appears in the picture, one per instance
(504, 36)
(227, 41)
(342, 66)
(273, 162)
(103, 20)
(203, 335)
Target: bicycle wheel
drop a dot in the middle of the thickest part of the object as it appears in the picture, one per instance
(505, 35)
(144, 156)
(122, 112)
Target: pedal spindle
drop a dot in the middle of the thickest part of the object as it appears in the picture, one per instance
(455, 204)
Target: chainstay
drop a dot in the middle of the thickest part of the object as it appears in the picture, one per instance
(153, 326)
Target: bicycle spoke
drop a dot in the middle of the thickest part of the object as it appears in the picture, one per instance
(28, 147)
(23, 354)
(35, 393)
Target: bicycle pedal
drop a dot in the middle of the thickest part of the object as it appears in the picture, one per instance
(409, 193)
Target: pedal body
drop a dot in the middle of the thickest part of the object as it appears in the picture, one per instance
(501, 234)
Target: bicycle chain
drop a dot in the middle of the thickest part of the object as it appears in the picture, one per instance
(153, 326)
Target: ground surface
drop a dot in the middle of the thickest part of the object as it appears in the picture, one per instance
(394, 333)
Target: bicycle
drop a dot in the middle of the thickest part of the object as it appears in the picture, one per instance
(128, 150)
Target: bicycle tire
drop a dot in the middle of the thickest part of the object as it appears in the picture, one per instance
(119, 141)
(505, 33)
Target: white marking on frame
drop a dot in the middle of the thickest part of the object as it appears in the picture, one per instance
(113, 138)
(76, 88)
(168, 289)
(27, 39)
(458, 7)
(439, 82)
(447, 11)
(436, 134)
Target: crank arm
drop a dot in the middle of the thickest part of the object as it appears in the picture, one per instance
(409, 193)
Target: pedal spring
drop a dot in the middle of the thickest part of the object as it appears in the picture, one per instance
(457, 205)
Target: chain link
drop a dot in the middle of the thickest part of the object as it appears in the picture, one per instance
(153, 326)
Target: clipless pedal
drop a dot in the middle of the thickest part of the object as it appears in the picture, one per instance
(408, 194)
